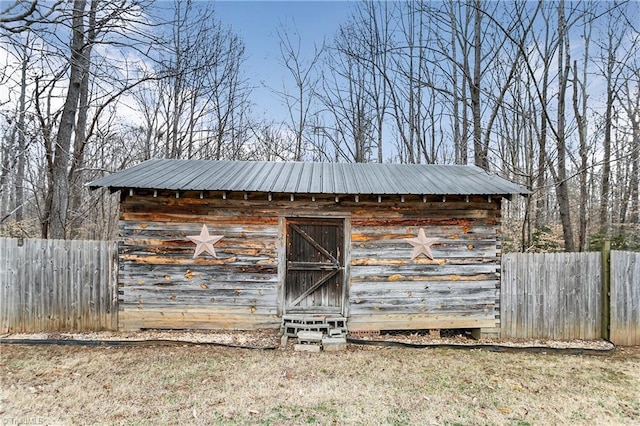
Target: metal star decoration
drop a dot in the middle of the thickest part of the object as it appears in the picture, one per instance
(204, 242)
(421, 245)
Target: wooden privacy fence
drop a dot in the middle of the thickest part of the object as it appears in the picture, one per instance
(57, 285)
(625, 298)
(560, 296)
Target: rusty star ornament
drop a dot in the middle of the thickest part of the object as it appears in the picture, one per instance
(204, 242)
(421, 245)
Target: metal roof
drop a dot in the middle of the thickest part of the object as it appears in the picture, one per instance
(309, 178)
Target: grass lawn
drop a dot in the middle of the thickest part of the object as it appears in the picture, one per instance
(363, 385)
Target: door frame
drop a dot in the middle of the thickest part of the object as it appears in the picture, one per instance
(282, 254)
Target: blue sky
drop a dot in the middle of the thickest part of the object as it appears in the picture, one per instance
(256, 22)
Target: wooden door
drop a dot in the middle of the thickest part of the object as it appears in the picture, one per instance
(315, 266)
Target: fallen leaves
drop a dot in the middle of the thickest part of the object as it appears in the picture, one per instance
(504, 410)
(210, 385)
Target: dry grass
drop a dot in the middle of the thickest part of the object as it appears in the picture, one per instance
(364, 385)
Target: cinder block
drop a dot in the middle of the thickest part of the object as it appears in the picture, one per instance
(334, 343)
(313, 320)
(312, 327)
(337, 332)
(310, 336)
(306, 348)
(336, 322)
(292, 318)
(292, 330)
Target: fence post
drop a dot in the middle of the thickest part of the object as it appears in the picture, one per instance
(606, 288)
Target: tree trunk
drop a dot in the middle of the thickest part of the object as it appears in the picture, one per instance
(457, 143)
(80, 138)
(59, 179)
(541, 208)
(606, 145)
(633, 111)
(633, 183)
(562, 188)
(582, 137)
(22, 139)
(480, 159)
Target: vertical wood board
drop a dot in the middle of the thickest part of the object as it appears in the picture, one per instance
(551, 296)
(625, 298)
(57, 285)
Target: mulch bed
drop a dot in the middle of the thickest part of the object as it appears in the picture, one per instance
(271, 338)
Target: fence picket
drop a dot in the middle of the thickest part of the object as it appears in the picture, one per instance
(625, 298)
(553, 294)
(56, 285)
(563, 293)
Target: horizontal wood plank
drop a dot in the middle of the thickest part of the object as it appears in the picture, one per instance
(220, 317)
(418, 321)
(158, 268)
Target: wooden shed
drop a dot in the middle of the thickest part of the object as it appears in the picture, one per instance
(238, 244)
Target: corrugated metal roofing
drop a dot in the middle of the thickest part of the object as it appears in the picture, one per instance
(309, 178)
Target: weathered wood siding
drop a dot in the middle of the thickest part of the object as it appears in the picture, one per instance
(56, 285)
(459, 288)
(162, 286)
(551, 296)
(625, 298)
(315, 258)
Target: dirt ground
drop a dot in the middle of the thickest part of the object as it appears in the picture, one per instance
(186, 384)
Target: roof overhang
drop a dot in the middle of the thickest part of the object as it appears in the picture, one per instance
(299, 178)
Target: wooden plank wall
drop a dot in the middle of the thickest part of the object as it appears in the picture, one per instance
(163, 286)
(313, 266)
(459, 288)
(56, 285)
(625, 298)
(551, 296)
(53, 285)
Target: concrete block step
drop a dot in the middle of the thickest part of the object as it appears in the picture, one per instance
(310, 336)
(306, 348)
(336, 322)
(331, 325)
(334, 344)
(292, 330)
(301, 319)
(337, 332)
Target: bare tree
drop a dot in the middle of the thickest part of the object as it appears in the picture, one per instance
(18, 16)
(55, 225)
(626, 50)
(356, 88)
(304, 74)
(378, 39)
(346, 98)
(560, 175)
(197, 107)
(580, 112)
(609, 65)
(63, 133)
(630, 102)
